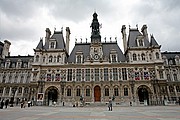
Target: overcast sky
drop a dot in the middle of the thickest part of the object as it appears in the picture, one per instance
(23, 22)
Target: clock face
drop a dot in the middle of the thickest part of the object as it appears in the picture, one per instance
(96, 56)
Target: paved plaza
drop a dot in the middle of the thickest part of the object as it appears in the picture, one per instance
(91, 113)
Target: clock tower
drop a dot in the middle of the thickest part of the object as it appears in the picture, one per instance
(96, 51)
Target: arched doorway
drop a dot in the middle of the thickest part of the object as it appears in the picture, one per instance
(143, 95)
(52, 95)
(97, 94)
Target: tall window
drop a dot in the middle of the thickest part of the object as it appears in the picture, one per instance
(48, 77)
(106, 91)
(168, 77)
(124, 74)
(1, 89)
(171, 89)
(96, 74)
(105, 74)
(134, 57)
(26, 90)
(150, 56)
(113, 58)
(22, 78)
(161, 74)
(125, 91)
(20, 90)
(87, 92)
(58, 58)
(68, 92)
(50, 59)
(79, 59)
(116, 92)
(175, 77)
(177, 88)
(143, 56)
(37, 58)
(69, 75)
(140, 42)
(57, 77)
(78, 92)
(87, 75)
(115, 74)
(78, 75)
(52, 44)
(157, 55)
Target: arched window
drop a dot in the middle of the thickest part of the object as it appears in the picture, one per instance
(171, 89)
(44, 58)
(106, 91)
(20, 90)
(134, 57)
(143, 56)
(37, 58)
(150, 56)
(69, 92)
(58, 58)
(157, 55)
(125, 91)
(26, 90)
(50, 59)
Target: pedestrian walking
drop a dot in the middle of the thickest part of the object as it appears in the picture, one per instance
(2, 103)
(6, 103)
(110, 104)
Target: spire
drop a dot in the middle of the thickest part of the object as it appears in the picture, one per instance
(153, 42)
(95, 34)
(40, 45)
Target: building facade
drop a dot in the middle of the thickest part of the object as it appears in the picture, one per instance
(93, 71)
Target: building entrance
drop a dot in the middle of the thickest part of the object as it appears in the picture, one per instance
(52, 96)
(97, 94)
(143, 95)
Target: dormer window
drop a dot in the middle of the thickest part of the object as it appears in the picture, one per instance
(79, 58)
(140, 42)
(58, 58)
(114, 58)
(37, 58)
(52, 45)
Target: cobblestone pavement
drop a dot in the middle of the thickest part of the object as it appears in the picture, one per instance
(91, 113)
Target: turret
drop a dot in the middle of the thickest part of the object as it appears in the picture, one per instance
(123, 31)
(67, 39)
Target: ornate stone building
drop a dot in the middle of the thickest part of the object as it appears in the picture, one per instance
(93, 70)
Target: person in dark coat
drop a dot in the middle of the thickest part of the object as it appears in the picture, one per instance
(6, 103)
(110, 104)
(2, 104)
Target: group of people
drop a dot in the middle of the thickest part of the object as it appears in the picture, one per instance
(4, 103)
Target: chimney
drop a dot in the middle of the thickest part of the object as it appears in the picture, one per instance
(123, 31)
(67, 39)
(48, 33)
(6, 49)
(144, 31)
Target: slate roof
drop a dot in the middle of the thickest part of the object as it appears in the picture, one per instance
(153, 42)
(170, 55)
(85, 49)
(133, 34)
(40, 45)
(1, 48)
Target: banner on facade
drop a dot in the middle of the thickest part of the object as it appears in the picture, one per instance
(40, 96)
